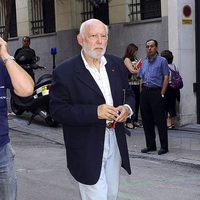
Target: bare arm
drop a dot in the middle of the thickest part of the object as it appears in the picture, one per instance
(21, 81)
(129, 65)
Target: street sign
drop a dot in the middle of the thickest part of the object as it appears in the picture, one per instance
(187, 12)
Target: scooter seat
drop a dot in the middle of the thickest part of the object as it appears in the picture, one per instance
(44, 80)
(44, 77)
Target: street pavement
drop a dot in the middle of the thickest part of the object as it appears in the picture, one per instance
(42, 172)
(184, 142)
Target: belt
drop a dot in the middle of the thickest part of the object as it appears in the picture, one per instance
(111, 125)
(151, 88)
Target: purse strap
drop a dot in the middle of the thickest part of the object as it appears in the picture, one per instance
(175, 67)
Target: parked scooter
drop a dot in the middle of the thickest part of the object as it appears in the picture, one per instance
(38, 102)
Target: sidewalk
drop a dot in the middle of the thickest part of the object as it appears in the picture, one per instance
(184, 145)
(184, 142)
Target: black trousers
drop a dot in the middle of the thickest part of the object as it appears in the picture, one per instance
(134, 117)
(170, 101)
(153, 114)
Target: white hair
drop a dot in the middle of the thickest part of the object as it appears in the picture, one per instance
(88, 22)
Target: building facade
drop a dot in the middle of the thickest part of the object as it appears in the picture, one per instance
(55, 23)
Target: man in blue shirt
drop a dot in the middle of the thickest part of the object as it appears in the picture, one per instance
(11, 76)
(155, 76)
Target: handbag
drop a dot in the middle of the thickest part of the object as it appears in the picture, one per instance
(176, 79)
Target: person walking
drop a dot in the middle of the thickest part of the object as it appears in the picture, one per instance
(171, 94)
(155, 76)
(131, 61)
(91, 98)
(12, 76)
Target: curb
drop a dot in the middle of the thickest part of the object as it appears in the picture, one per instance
(50, 133)
(182, 162)
(55, 135)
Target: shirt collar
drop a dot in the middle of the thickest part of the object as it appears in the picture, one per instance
(152, 59)
(103, 61)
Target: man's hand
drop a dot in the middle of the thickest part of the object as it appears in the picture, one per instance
(123, 113)
(21, 81)
(3, 49)
(107, 112)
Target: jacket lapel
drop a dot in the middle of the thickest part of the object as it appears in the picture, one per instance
(113, 79)
(84, 75)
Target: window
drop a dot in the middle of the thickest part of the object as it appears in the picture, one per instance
(98, 9)
(42, 16)
(13, 23)
(134, 8)
(144, 9)
(87, 10)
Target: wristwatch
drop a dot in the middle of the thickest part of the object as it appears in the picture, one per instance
(8, 58)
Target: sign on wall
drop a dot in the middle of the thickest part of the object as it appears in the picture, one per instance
(187, 14)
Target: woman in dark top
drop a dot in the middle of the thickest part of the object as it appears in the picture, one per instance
(171, 94)
(131, 61)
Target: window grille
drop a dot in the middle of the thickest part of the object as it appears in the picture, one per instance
(2, 16)
(95, 9)
(134, 9)
(43, 16)
(144, 9)
(13, 23)
(87, 10)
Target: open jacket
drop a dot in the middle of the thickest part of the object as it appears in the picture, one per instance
(74, 98)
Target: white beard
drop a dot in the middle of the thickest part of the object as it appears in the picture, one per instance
(93, 54)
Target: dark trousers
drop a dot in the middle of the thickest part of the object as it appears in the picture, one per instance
(170, 101)
(153, 113)
(134, 117)
(136, 89)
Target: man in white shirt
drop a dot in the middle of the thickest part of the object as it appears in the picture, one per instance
(90, 97)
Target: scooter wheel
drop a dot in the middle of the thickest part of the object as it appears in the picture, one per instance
(15, 108)
(51, 122)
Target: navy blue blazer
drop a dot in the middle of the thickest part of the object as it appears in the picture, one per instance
(74, 98)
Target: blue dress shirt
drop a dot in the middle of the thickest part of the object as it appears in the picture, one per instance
(153, 71)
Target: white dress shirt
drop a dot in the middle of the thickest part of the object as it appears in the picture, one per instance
(101, 78)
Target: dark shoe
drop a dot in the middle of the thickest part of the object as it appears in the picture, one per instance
(172, 126)
(137, 124)
(162, 151)
(130, 126)
(146, 150)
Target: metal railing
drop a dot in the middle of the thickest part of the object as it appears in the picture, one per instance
(2, 16)
(43, 16)
(37, 23)
(144, 9)
(13, 23)
(87, 10)
(98, 9)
